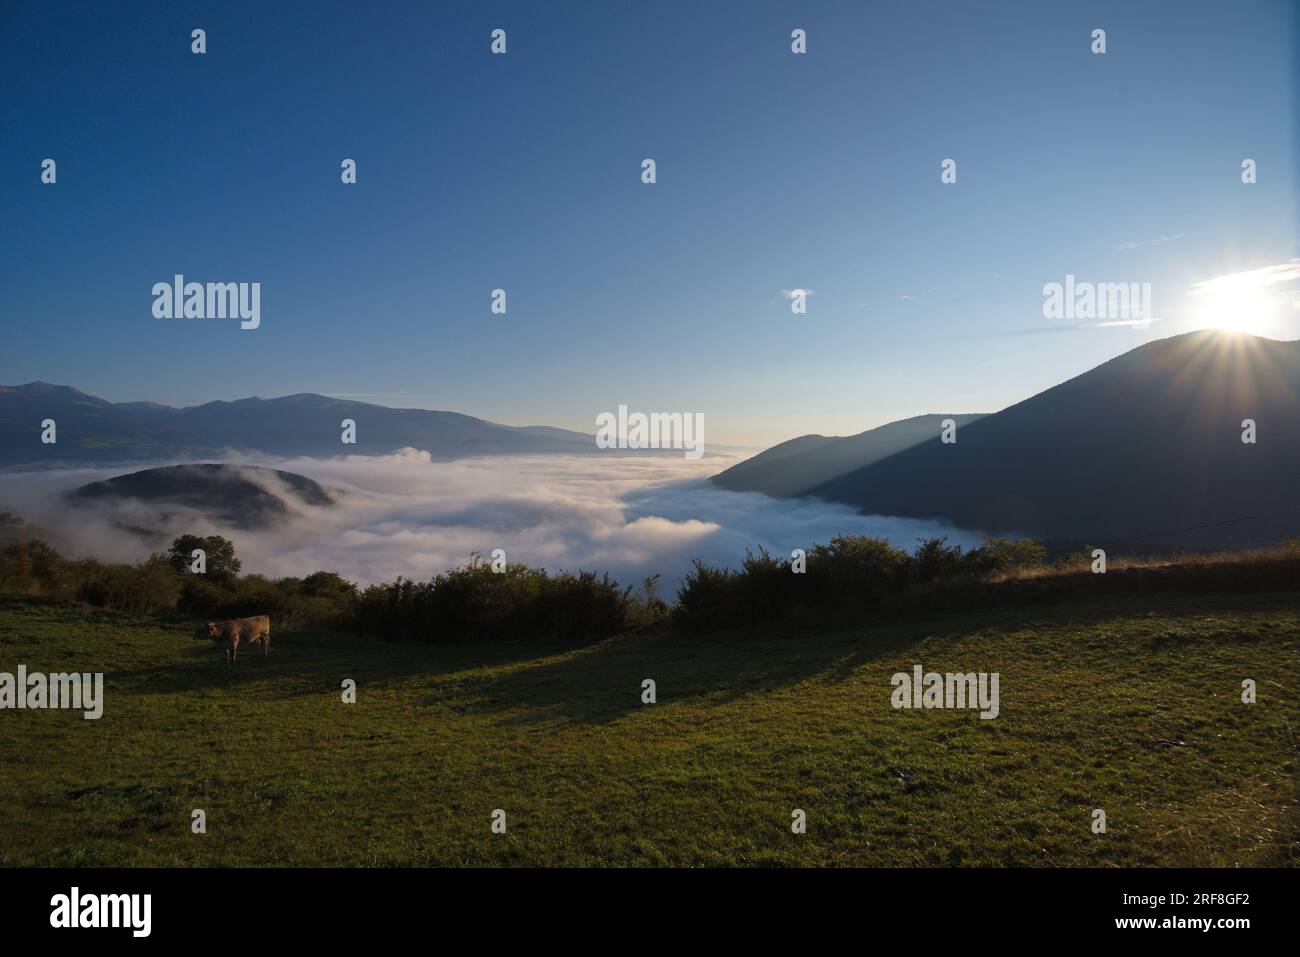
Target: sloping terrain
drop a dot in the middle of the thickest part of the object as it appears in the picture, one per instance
(1129, 705)
(1147, 444)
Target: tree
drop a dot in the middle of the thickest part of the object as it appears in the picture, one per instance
(335, 588)
(221, 563)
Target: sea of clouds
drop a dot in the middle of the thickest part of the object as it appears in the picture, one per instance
(407, 515)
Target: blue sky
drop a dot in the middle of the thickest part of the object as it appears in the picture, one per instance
(775, 172)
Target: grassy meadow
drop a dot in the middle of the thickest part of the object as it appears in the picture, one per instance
(1131, 705)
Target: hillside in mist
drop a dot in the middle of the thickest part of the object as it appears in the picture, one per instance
(238, 496)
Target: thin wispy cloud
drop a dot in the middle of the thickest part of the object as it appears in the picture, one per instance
(1147, 242)
(1121, 324)
(1249, 280)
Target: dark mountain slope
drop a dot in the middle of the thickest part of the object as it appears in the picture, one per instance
(1146, 443)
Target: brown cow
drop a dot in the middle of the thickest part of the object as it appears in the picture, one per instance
(230, 634)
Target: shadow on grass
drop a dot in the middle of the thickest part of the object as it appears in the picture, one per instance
(307, 663)
(539, 682)
(601, 684)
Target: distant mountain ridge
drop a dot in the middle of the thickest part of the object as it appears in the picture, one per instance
(91, 429)
(798, 466)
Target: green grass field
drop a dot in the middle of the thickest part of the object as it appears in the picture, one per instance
(746, 729)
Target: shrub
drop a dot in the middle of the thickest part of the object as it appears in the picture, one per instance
(934, 558)
(201, 597)
(474, 602)
(707, 597)
(848, 575)
(334, 588)
(34, 568)
(1008, 555)
(1074, 561)
(150, 588)
(857, 569)
(995, 556)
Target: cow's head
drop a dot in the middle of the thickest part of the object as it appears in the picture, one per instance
(206, 632)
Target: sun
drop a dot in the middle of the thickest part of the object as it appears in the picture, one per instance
(1238, 310)
(1257, 301)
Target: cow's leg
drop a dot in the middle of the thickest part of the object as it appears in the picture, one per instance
(234, 649)
(266, 644)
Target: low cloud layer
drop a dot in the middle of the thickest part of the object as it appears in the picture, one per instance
(405, 515)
